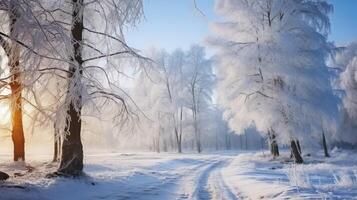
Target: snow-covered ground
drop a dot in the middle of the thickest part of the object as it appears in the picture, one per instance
(258, 176)
(149, 176)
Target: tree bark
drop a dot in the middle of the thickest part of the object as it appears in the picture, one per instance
(18, 137)
(325, 145)
(16, 90)
(72, 149)
(295, 152)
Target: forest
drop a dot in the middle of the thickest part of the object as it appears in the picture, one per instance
(262, 108)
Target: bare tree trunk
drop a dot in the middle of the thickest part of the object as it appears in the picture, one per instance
(16, 90)
(18, 137)
(274, 148)
(178, 141)
(72, 149)
(298, 146)
(295, 152)
(197, 135)
(56, 145)
(180, 133)
(325, 145)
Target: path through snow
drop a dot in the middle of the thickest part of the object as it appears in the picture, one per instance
(130, 176)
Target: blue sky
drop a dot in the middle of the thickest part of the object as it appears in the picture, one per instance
(172, 24)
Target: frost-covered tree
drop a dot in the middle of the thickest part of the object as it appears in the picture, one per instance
(24, 42)
(13, 51)
(149, 91)
(89, 27)
(176, 95)
(200, 77)
(272, 68)
(346, 61)
(167, 88)
(85, 56)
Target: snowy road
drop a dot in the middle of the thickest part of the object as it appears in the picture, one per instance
(132, 176)
(185, 178)
(170, 176)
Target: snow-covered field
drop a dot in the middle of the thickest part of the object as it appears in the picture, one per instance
(258, 176)
(224, 175)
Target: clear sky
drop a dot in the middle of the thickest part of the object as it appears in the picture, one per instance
(174, 24)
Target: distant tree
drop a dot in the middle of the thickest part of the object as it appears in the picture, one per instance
(200, 87)
(176, 95)
(167, 82)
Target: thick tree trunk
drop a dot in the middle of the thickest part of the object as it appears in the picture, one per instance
(18, 137)
(325, 145)
(295, 152)
(16, 90)
(72, 149)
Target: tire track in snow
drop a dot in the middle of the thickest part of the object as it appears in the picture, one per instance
(216, 186)
(207, 183)
(160, 181)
